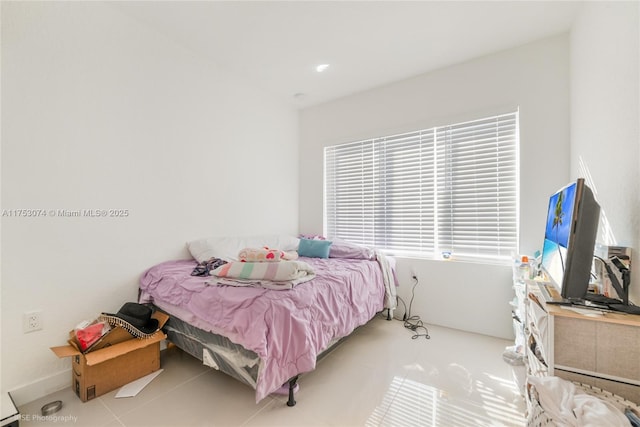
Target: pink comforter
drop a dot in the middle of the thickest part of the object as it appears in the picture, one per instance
(287, 329)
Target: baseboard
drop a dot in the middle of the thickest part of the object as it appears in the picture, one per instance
(40, 388)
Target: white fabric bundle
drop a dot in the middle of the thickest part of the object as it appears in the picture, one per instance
(569, 406)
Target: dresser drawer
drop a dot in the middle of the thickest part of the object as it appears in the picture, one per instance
(575, 343)
(628, 391)
(618, 352)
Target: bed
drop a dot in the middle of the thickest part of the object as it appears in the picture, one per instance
(267, 337)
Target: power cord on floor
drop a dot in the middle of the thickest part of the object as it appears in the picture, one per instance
(413, 323)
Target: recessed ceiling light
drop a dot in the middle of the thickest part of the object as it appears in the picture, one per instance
(320, 68)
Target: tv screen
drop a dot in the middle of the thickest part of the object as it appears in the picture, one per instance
(569, 239)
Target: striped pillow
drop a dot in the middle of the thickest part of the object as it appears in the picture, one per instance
(273, 271)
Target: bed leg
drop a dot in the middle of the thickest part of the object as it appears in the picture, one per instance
(389, 314)
(292, 385)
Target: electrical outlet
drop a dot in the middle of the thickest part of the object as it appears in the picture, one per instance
(32, 321)
(413, 274)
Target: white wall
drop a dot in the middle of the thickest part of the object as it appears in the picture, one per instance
(605, 117)
(101, 112)
(534, 77)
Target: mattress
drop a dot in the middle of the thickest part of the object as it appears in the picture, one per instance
(285, 329)
(214, 350)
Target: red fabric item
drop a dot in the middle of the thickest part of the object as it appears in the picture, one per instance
(89, 335)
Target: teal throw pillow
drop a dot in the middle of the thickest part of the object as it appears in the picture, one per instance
(314, 248)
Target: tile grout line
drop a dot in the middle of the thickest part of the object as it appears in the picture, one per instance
(111, 412)
(152, 399)
(256, 413)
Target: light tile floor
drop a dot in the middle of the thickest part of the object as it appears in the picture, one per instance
(379, 376)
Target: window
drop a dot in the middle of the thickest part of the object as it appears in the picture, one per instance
(445, 189)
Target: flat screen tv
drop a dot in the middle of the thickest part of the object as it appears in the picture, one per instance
(569, 239)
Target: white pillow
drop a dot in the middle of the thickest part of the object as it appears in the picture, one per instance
(227, 248)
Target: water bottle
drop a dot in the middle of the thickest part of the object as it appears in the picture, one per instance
(524, 270)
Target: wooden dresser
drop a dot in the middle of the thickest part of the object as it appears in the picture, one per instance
(599, 350)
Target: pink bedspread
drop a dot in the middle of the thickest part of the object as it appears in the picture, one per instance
(287, 329)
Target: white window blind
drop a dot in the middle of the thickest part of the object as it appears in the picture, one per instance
(450, 188)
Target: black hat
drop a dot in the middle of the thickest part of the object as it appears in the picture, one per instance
(135, 318)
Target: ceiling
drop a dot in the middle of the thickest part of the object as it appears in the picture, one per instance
(276, 45)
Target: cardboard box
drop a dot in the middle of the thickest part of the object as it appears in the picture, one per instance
(114, 365)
